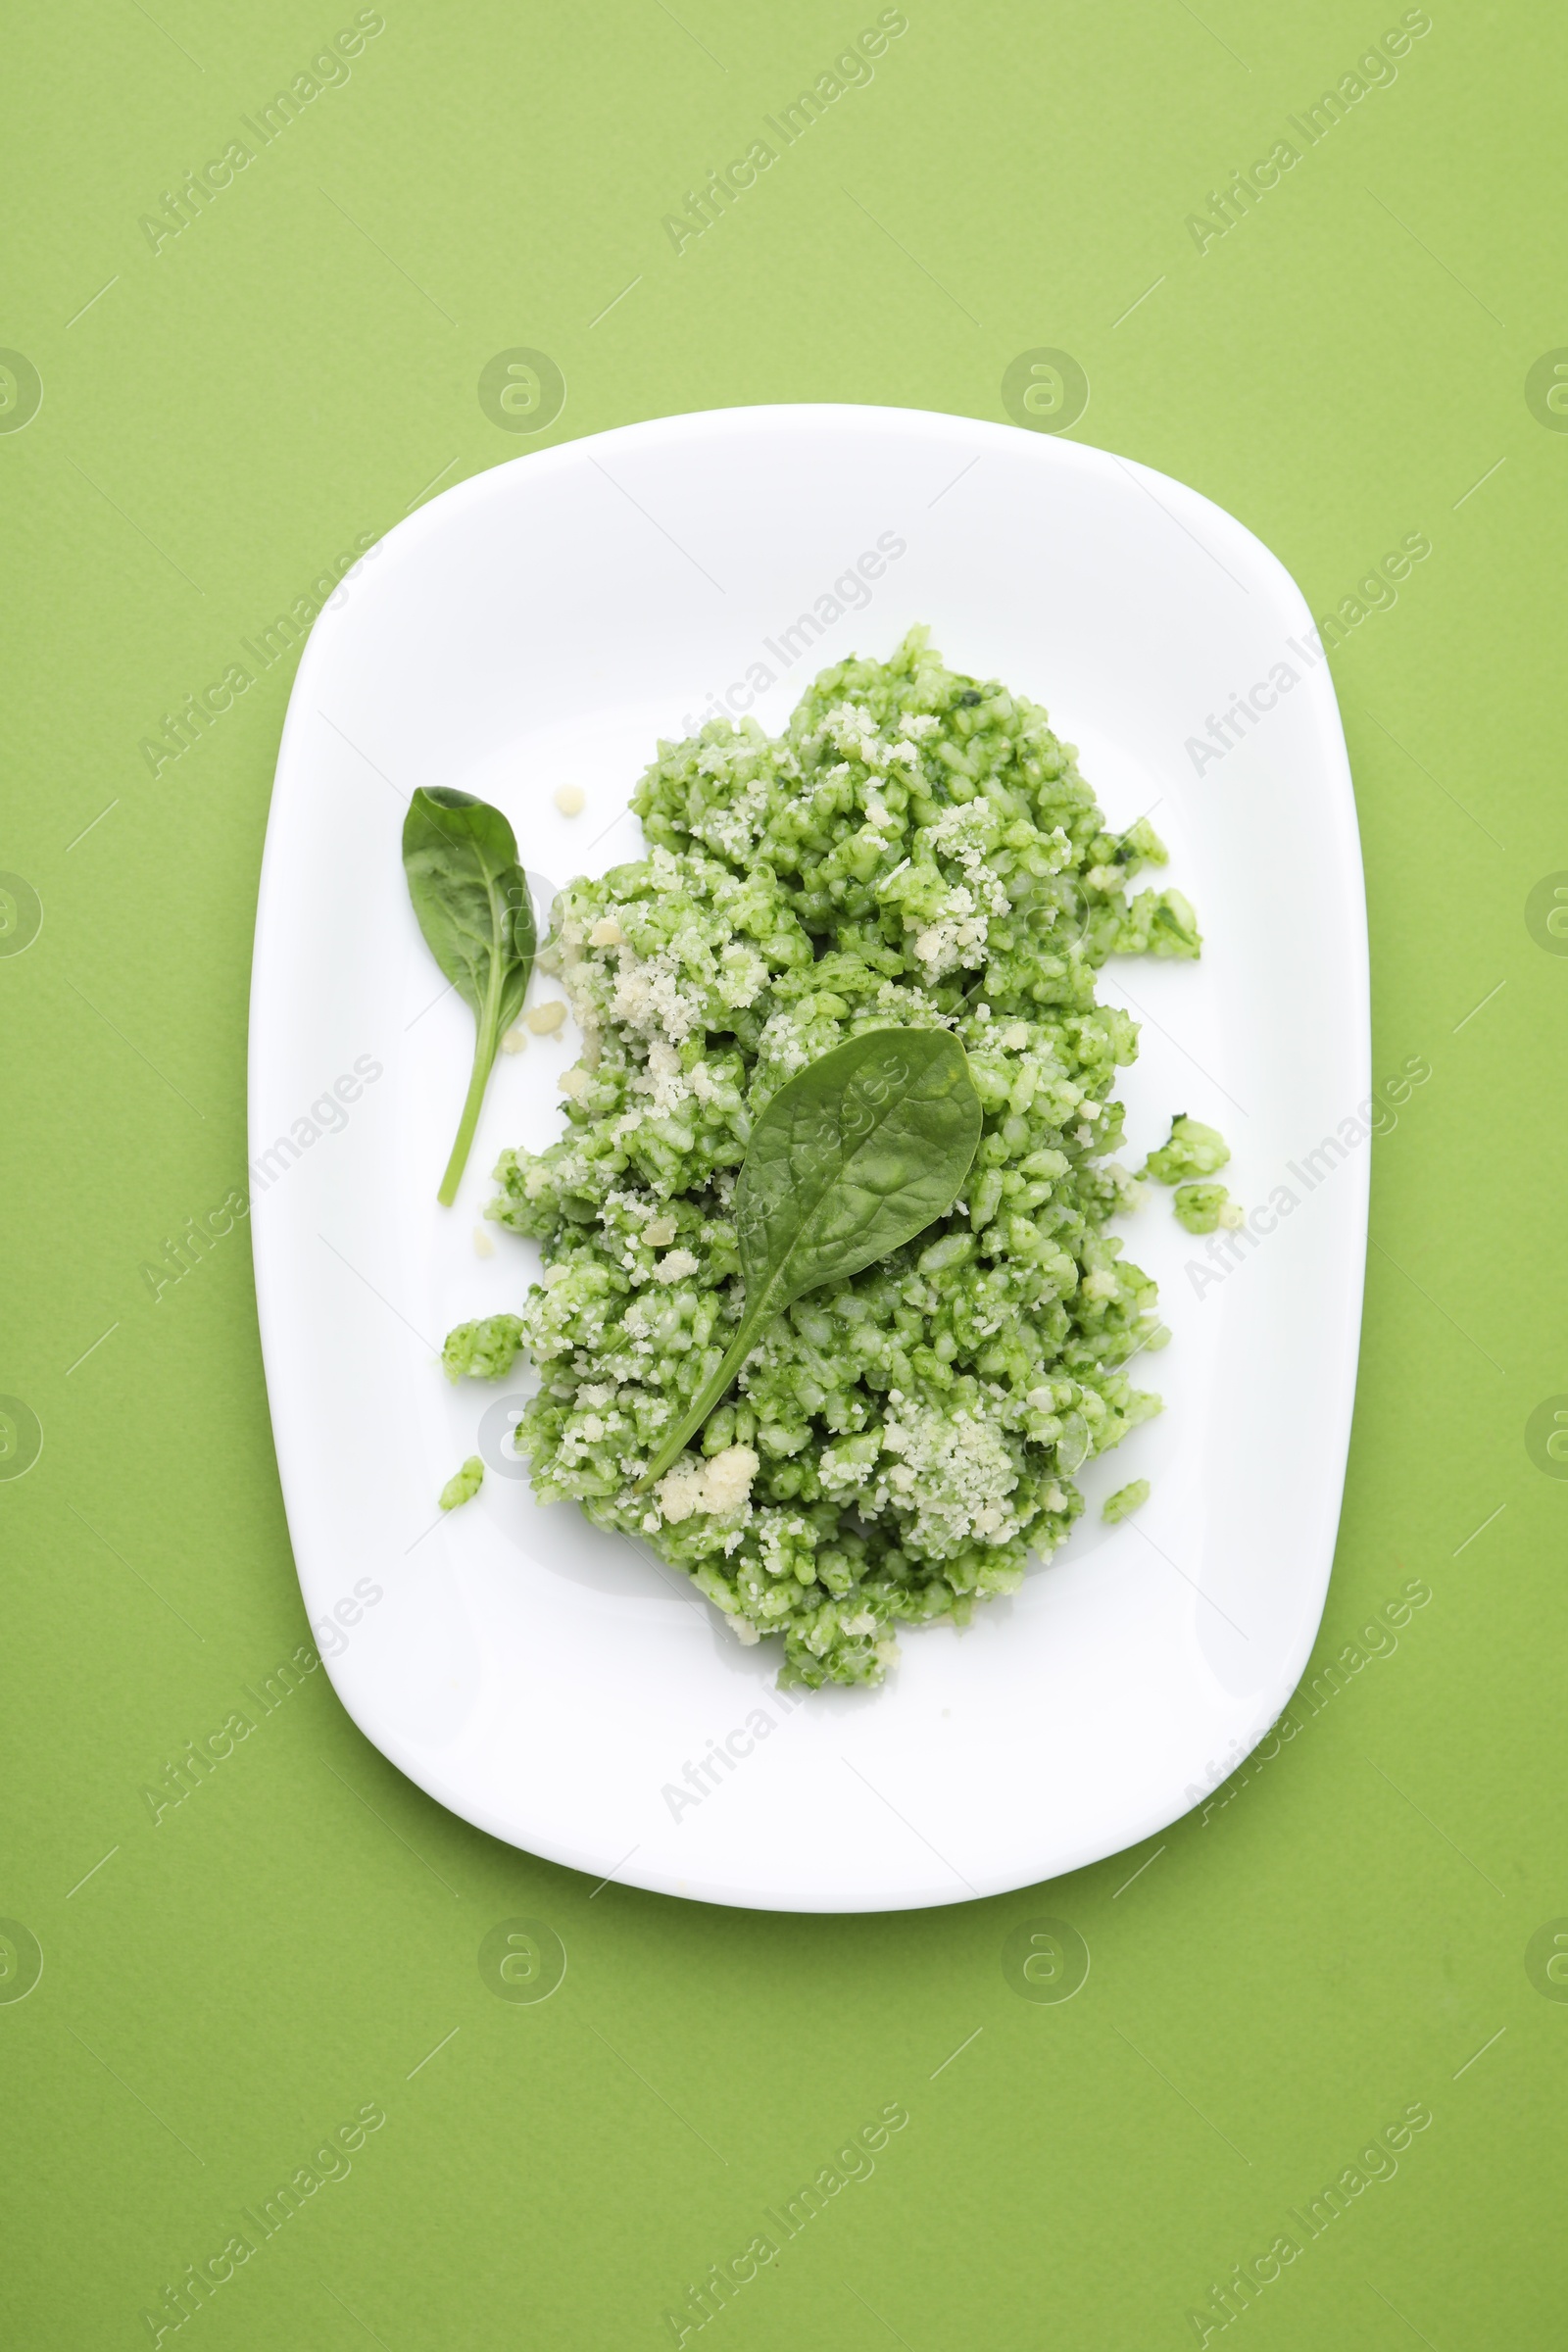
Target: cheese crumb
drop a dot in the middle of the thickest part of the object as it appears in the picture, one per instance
(571, 800)
(661, 1233)
(574, 1081)
(545, 1020)
(717, 1486)
(607, 933)
(675, 1267)
(515, 1042)
(483, 1244)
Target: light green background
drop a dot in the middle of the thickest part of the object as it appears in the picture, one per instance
(1286, 1975)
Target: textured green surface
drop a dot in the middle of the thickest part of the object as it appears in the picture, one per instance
(1351, 1923)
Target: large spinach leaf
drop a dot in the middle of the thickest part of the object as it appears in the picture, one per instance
(862, 1150)
(472, 897)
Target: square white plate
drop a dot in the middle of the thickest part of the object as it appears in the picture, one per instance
(542, 624)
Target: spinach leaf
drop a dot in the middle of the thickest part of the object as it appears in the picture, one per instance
(472, 897)
(862, 1150)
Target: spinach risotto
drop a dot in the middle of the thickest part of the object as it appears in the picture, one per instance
(917, 852)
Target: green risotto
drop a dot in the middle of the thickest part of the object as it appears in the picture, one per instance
(916, 851)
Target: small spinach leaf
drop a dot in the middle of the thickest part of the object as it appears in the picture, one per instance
(861, 1151)
(472, 897)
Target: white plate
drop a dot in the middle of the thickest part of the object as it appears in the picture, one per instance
(542, 624)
